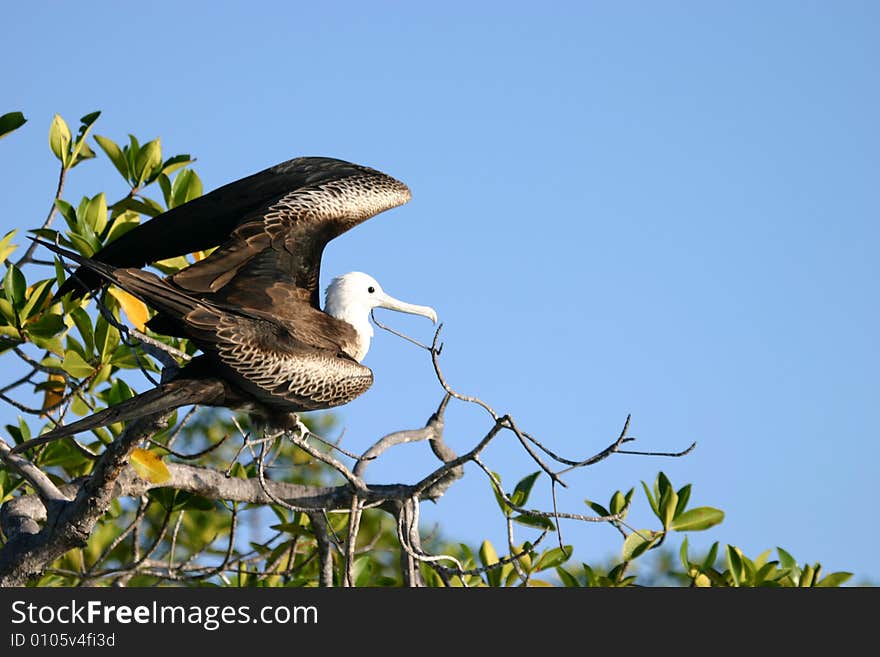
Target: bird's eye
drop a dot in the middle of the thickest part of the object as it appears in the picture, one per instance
(371, 289)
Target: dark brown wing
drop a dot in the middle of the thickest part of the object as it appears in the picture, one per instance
(300, 204)
(276, 251)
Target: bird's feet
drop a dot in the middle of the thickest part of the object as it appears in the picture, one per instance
(298, 431)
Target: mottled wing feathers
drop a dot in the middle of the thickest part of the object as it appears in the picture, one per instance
(284, 241)
(271, 361)
(271, 225)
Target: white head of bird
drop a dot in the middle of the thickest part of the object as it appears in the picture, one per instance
(352, 296)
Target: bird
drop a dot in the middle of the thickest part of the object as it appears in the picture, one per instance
(252, 306)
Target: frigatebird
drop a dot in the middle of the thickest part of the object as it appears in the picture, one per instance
(251, 307)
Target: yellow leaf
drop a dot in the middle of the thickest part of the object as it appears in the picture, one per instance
(149, 466)
(702, 581)
(6, 248)
(198, 255)
(539, 583)
(134, 308)
(54, 391)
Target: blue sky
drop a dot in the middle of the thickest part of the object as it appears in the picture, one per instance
(668, 210)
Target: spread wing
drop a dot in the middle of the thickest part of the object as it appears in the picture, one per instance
(276, 251)
(271, 227)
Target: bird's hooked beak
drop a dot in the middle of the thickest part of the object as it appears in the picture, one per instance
(384, 300)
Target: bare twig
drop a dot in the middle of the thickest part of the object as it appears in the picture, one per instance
(41, 483)
(26, 258)
(398, 333)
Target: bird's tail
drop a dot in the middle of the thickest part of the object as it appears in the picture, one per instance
(146, 286)
(168, 396)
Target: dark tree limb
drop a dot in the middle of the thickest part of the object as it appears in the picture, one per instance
(70, 522)
(325, 548)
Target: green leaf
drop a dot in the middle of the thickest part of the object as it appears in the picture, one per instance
(172, 164)
(148, 158)
(154, 208)
(807, 575)
(661, 484)
(637, 543)
(83, 245)
(539, 522)
(684, 496)
(95, 213)
(14, 286)
(9, 332)
(11, 121)
(598, 508)
(36, 300)
(709, 561)
(103, 374)
(504, 506)
(786, 559)
(7, 310)
(765, 572)
(68, 212)
(361, 570)
(52, 343)
(59, 139)
(668, 504)
(553, 557)
(60, 274)
(106, 339)
(20, 433)
(145, 206)
(523, 489)
(83, 152)
(114, 153)
(735, 565)
(683, 554)
(47, 326)
(488, 555)
(589, 575)
(651, 500)
(123, 223)
(165, 186)
(568, 580)
(89, 119)
(698, 519)
(131, 152)
(81, 149)
(187, 186)
(84, 325)
(118, 392)
(617, 503)
(761, 559)
(74, 345)
(834, 579)
(75, 365)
